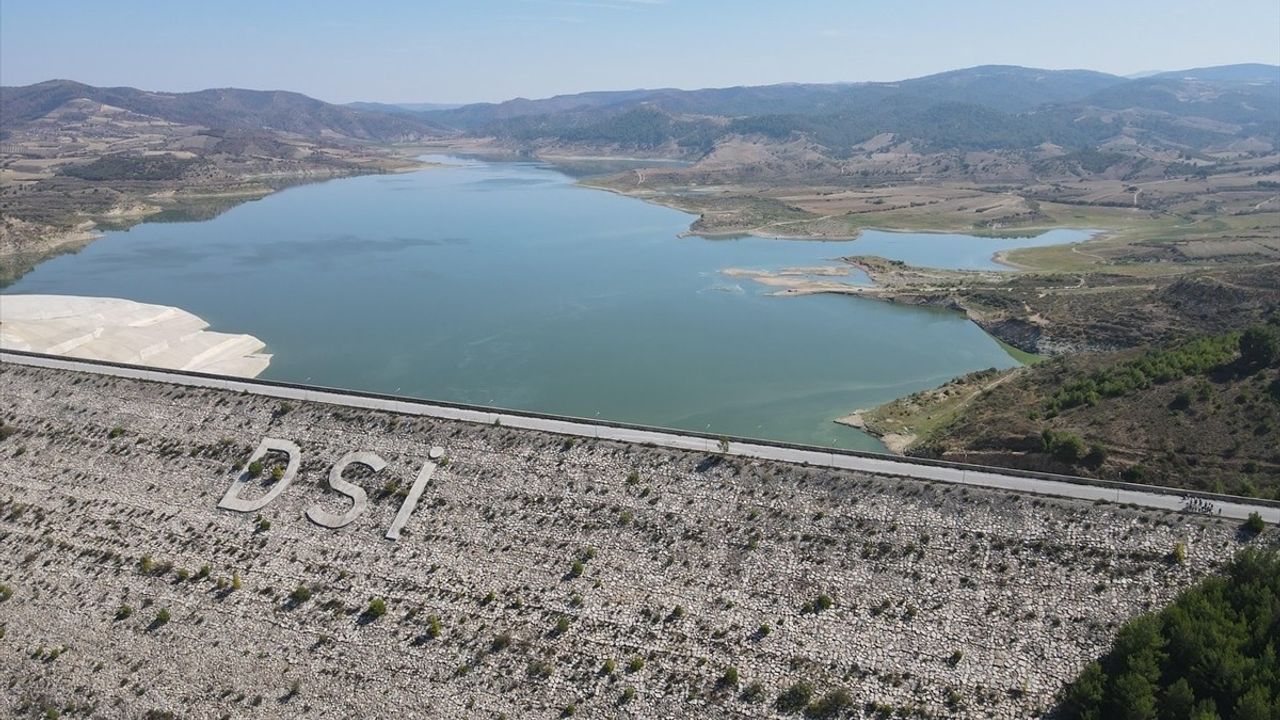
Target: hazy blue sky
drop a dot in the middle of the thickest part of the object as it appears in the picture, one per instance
(447, 50)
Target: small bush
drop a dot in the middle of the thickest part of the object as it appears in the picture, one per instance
(433, 626)
(609, 667)
(562, 625)
(500, 642)
(795, 698)
(628, 694)
(116, 432)
(635, 664)
(955, 658)
(6, 592)
(300, 594)
(277, 473)
(377, 608)
(255, 468)
(163, 616)
(753, 693)
(576, 569)
(832, 705)
(1254, 524)
(1179, 553)
(124, 612)
(729, 678)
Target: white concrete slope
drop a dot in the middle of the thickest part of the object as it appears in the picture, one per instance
(125, 331)
(1078, 488)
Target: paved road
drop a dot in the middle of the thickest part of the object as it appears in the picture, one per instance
(1238, 508)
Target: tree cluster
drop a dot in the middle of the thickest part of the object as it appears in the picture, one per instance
(1212, 654)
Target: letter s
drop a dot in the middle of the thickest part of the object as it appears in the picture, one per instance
(359, 501)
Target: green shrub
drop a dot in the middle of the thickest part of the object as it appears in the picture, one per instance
(1254, 524)
(123, 612)
(832, 705)
(609, 667)
(1064, 447)
(433, 626)
(628, 694)
(300, 594)
(1260, 346)
(377, 608)
(255, 468)
(635, 664)
(562, 625)
(753, 693)
(795, 698)
(729, 678)
(163, 616)
(6, 592)
(576, 569)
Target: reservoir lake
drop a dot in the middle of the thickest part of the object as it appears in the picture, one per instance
(506, 284)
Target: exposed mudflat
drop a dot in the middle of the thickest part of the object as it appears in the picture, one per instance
(125, 331)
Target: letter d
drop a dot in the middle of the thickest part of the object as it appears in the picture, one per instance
(233, 501)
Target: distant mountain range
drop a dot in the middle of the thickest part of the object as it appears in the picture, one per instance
(226, 109)
(403, 108)
(987, 107)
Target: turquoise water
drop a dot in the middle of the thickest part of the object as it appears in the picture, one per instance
(946, 250)
(505, 284)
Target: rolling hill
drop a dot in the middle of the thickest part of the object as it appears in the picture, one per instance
(226, 108)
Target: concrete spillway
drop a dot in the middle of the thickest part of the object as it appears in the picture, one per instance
(125, 331)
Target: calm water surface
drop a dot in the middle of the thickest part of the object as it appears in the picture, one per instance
(505, 284)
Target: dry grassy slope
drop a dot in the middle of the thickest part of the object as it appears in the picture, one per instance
(1226, 440)
(1058, 314)
(948, 602)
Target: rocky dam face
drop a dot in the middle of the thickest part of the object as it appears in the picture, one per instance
(532, 575)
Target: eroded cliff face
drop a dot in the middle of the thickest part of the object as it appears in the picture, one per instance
(533, 574)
